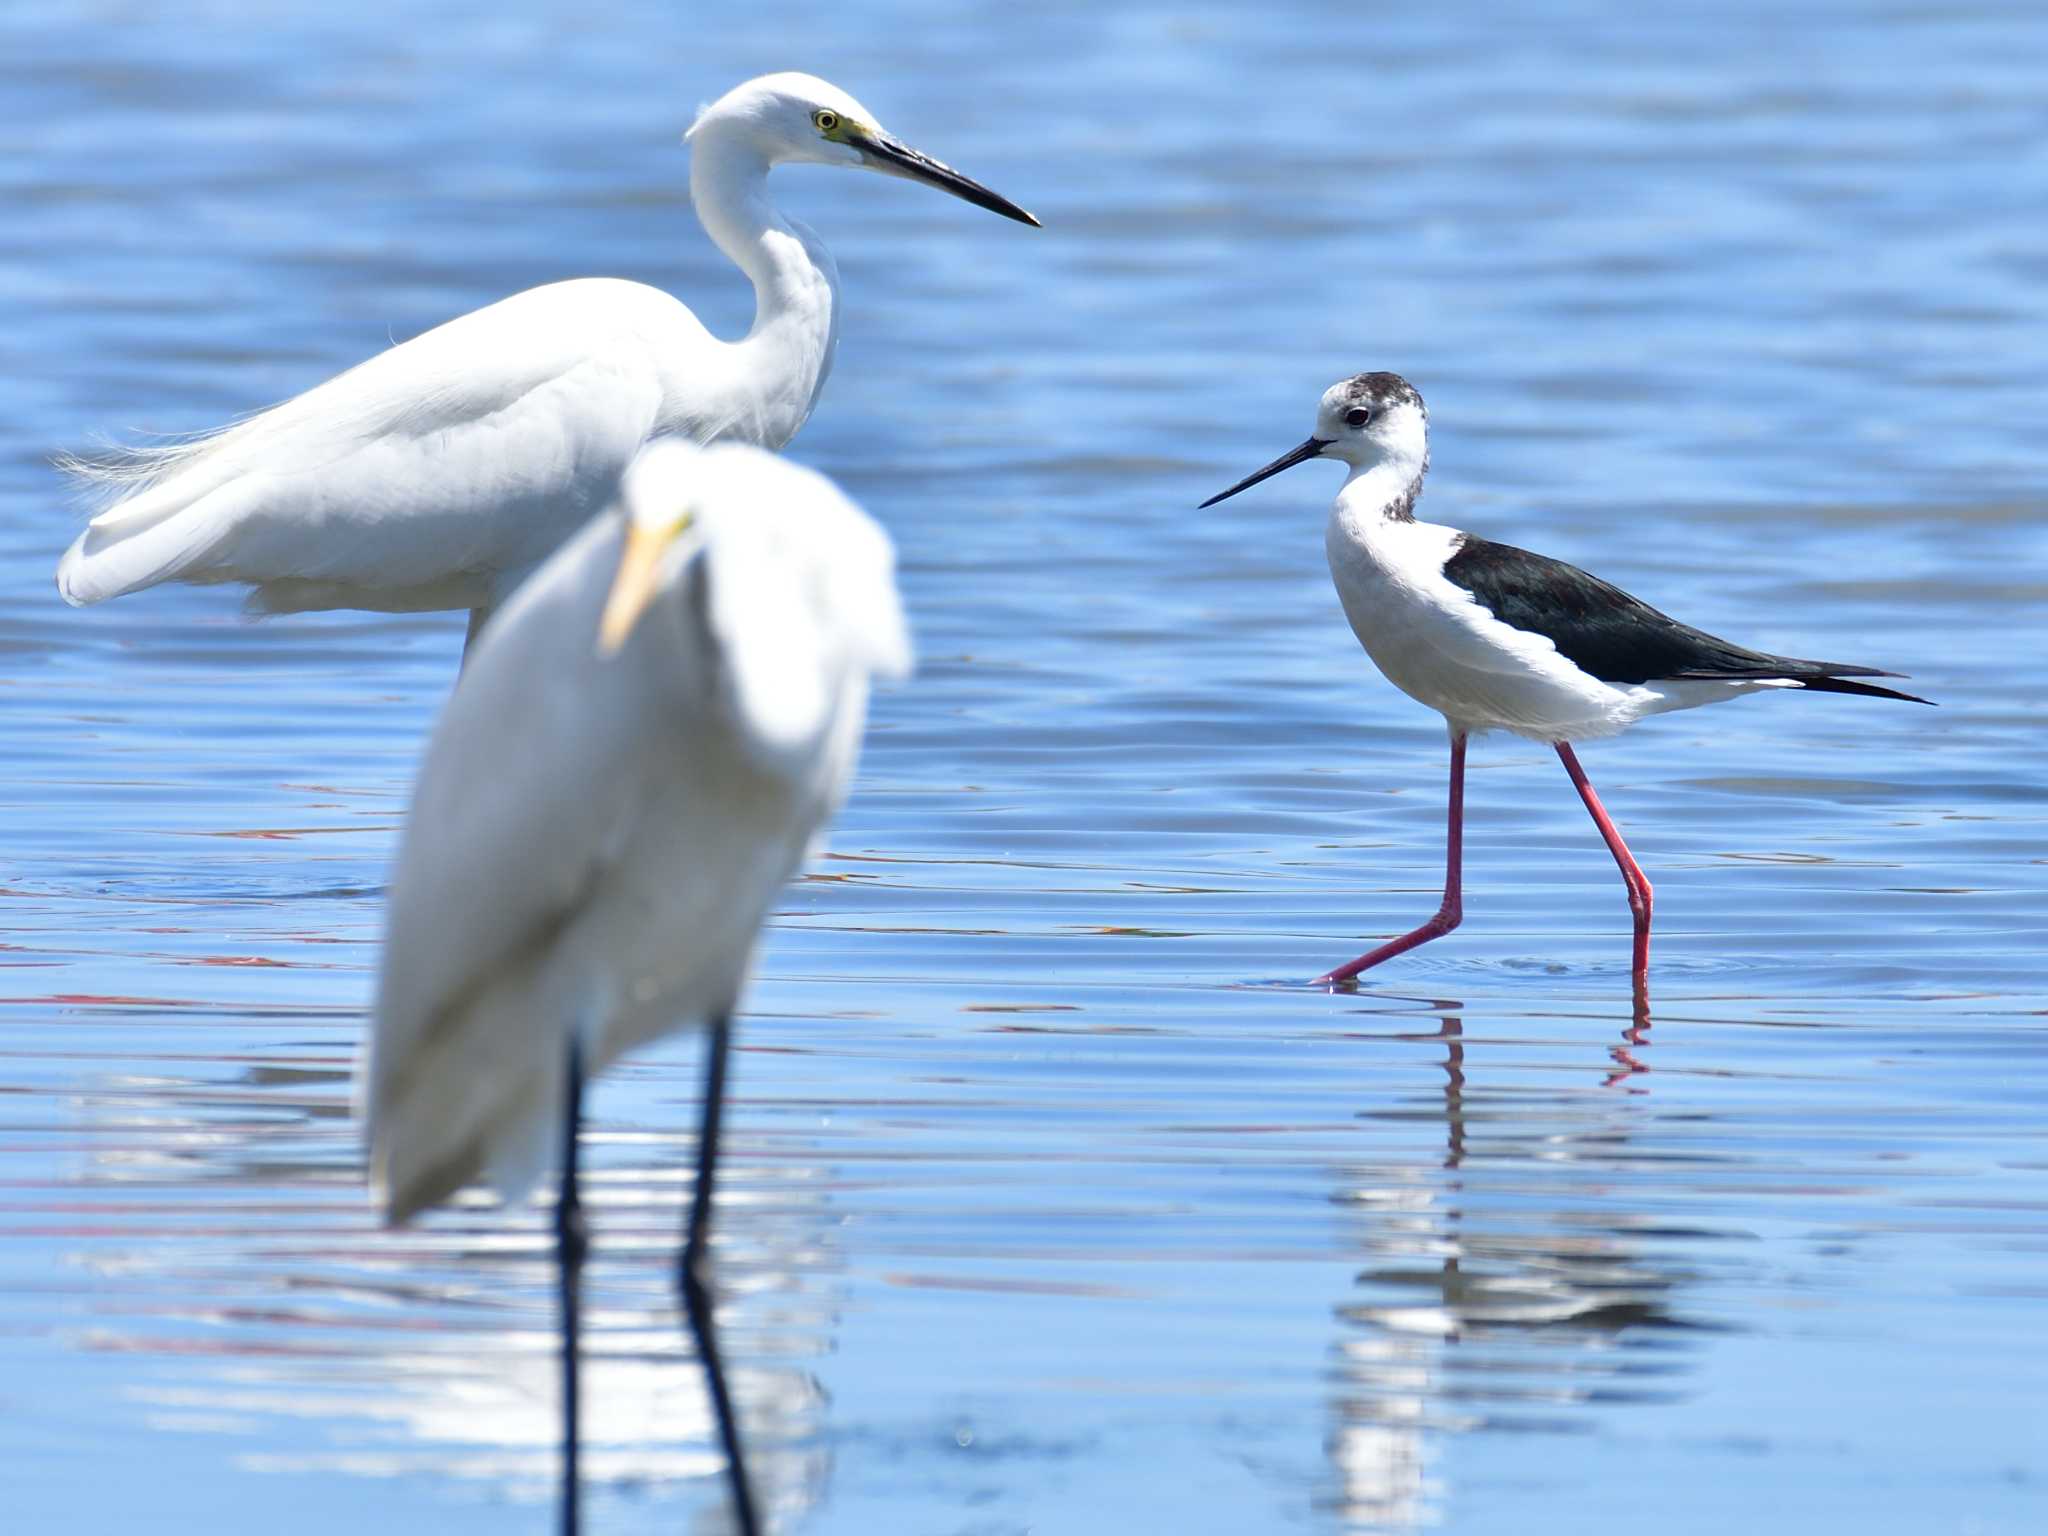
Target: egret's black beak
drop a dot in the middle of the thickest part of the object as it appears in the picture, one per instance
(897, 159)
(1308, 450)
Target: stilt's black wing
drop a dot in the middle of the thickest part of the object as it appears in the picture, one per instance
(1619, 639)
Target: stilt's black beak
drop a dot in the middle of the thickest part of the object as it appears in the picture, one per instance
(894, 158)
(1308, 450)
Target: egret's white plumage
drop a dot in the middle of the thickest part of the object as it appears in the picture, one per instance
(440, 473)
(596, 838)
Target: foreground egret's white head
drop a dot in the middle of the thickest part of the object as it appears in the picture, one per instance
(798, 584)
(794, 117)
(1368, 420)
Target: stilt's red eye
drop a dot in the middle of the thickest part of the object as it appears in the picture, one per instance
(1358, 416)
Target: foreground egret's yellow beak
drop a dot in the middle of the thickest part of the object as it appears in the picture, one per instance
(633, 587)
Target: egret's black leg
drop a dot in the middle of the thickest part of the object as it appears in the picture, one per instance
(696, 1289)
(572, 1241)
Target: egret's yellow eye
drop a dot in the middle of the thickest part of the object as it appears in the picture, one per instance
(826, 119)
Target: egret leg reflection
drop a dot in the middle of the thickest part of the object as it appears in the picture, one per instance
(572, 1243)
(694, 1285)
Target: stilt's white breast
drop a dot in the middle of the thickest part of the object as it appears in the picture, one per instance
(1439, 646)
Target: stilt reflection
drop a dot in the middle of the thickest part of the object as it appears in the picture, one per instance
(1502, 1290)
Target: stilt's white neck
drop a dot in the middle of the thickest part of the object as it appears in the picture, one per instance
(776, 371)
(1384, 491)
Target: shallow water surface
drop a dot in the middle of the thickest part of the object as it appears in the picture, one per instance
(1056, 1200)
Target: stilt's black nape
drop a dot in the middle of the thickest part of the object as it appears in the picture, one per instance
(572, 1242)
(696, 1289)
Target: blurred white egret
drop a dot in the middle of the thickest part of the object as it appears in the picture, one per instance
(440, 473)
(641, 747)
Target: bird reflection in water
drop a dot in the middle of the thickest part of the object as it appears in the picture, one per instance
(1627, 1063)
(229, 1242)
(1502, 1290)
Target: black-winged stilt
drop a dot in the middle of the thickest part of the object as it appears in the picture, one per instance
(1498, 639)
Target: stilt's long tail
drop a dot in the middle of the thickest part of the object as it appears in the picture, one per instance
(1836, 683)
(1818, 676)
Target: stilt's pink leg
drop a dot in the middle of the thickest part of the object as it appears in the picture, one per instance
(1452, 912)
(1638, 883)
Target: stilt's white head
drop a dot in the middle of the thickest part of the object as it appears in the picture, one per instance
(1368, 421)
(1374, 418)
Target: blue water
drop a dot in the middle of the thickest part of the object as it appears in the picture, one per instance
(1056, 1201)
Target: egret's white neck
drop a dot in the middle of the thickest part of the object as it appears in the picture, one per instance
(1385, 490)
(777, 369)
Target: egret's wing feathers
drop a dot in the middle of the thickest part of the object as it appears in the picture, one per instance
(469, 451)
(501, 847)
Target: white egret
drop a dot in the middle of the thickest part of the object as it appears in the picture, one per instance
(1499, 639)
(641, 747)
(440, 473)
